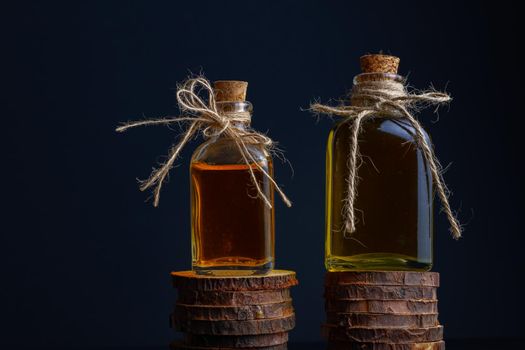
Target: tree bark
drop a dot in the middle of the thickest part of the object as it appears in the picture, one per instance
(382, 320)
(438, 345)
(412, 307)
(253, 327)
(276, 279)
(393, 278)
(239, 313)
(383, 335)
(226, 298)
(353, 291)
(191, 347)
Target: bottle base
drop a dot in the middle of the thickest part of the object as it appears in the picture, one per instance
(377, 262)
(233, 270)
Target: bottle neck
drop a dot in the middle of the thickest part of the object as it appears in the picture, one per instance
(370, 88)
(238, 111)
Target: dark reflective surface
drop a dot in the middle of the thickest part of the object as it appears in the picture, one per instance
(457, 344)
(463, 344)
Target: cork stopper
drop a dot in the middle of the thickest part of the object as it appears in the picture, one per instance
(230, 90)
(378, 63)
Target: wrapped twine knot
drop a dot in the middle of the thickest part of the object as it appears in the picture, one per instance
(388, 99)
(205, 116)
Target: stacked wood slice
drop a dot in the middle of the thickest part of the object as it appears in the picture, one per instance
(233, 312)
(373, 310)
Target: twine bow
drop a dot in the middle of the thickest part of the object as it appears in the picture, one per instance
(203, 115)
(388, 99)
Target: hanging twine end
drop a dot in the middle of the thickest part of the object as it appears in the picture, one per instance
(123, 127)
(456, 230)
(349, 227)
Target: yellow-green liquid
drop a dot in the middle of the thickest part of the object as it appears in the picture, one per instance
(394, 203)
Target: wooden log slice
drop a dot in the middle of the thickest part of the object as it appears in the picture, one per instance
(353, 291)
(228, 298)
(276, 279)
(382, 320)
(385, 278)
(239, 313)
(382, 335)
(413, 307)
(178, 345)
(438, 345)
(250, 327)
(229, 341)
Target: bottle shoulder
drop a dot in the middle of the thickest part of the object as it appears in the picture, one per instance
(400, 129)
(224, 150)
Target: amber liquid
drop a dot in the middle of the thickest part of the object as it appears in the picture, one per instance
(394, 203)
(232, 228)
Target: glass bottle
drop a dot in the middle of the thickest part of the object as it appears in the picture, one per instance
(393, 208)
(232, 228)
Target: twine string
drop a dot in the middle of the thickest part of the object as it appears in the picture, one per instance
(204, 115)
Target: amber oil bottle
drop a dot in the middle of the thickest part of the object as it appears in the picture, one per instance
(232, 227)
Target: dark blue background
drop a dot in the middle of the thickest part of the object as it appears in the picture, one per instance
(85, 261)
